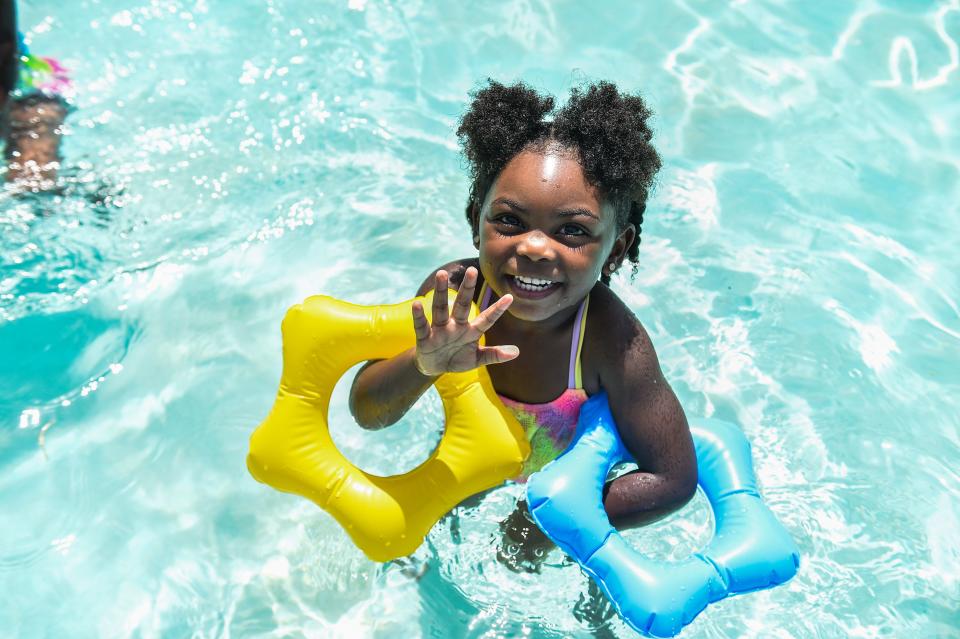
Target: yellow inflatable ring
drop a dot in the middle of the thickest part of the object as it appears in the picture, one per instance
(387, 517)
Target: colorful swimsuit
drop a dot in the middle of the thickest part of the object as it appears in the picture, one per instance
(550, 427)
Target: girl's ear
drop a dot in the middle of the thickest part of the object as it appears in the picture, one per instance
(620, 247)
(475, 223)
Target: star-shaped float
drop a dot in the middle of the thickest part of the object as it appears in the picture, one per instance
(750, 549)
(387, 517)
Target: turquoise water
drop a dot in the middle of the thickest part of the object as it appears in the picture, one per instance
(230, 157)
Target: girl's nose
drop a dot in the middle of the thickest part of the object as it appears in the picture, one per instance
(535, 246)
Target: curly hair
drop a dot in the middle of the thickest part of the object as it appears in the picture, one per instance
(606, 130)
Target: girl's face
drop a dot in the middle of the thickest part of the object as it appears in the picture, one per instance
(545, 235)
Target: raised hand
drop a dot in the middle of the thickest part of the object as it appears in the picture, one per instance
(451, 342)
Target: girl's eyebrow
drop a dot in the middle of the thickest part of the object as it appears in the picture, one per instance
(574, 212)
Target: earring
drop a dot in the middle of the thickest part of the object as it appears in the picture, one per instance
(611, 268)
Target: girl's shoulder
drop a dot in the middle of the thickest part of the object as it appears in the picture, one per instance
(607, 305)
(614, 339)
(455, 269)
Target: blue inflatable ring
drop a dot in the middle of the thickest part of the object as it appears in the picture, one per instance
(750, 549)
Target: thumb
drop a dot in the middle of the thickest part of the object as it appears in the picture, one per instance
(497, 354)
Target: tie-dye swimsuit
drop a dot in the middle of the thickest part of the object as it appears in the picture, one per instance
(550, 427)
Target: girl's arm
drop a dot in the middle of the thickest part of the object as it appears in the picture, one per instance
(649, 418)
(384, 390)
(651, 424)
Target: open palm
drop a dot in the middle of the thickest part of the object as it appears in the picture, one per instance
(450, 343)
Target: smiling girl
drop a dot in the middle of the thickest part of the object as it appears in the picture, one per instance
(555, 208)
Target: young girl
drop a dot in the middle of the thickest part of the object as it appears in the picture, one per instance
(555, 208)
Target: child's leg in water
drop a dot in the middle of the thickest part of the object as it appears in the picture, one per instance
(594, 610)
(523, 546)
(33, 140)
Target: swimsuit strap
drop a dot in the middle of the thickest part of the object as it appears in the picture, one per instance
(575, 375)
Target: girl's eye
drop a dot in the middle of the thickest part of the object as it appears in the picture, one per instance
(507, 219)
(573, 229)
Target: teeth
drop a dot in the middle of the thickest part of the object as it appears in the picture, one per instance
(531, 281)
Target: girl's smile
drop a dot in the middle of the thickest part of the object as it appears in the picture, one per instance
(545, 233)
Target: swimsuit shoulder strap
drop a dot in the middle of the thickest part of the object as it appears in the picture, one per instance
(575, 375)
(484, 296)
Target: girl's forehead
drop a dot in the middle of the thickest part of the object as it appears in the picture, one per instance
(549, 179)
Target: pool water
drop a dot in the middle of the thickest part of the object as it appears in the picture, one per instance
(228, 158)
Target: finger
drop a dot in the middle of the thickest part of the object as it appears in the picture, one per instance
(461, 307)
(420, 324)
(440, 314)
(490, 316)
(497, 354)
